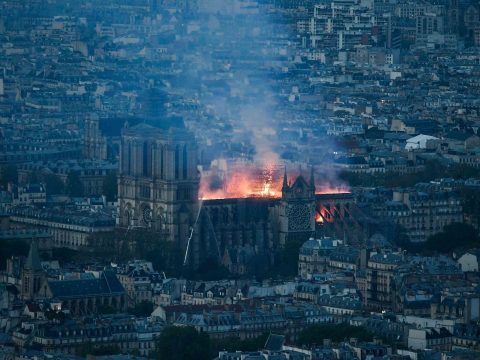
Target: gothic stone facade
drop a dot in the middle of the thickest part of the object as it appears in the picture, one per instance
(158, 182)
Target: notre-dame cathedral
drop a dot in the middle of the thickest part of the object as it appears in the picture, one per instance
(158, 182)
(159, 186)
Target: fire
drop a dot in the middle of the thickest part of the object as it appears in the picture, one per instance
(244, 180)
(241, 181)
(266, 180)
(318, 218)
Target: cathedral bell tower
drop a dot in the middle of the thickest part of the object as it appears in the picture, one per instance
(32, 274)
(94, 144)
(297, 209)
(158, 180)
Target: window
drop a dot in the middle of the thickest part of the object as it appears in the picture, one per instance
(161, 162)
(145, 191)
(147, 165)
(26, 284)
(185, 162)
(177, 162)
(129, 158)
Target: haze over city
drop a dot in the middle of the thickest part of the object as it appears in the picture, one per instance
(240, 179)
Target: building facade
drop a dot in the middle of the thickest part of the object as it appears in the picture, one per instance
(94, 144)
(158, 180)
(72, 230)
(380, 272)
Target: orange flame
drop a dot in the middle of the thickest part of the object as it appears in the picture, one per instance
(249, 180)
(241, 181)
(318, 218)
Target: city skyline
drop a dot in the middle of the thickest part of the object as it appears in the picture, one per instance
(240, 179)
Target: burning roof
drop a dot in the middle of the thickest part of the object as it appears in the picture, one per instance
(246, 180)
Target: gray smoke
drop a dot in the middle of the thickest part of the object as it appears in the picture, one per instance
(241, 52)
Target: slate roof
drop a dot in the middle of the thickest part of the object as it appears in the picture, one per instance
(437, 333)
(457, 135)
(324, 245)
(53, 215)
(34, 188)
(342, 302)
(33, 260)
(345, 254)
(387, 258)
(417, 139)
(106, 285)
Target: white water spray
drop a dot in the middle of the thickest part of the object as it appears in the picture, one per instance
(191, 232)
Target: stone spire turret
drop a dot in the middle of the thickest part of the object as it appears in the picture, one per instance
(33, 259)
(32, 274)
(285, 180)
(312, 179)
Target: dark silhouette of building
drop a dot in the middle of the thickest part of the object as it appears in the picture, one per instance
(33, 275)
(94, 144)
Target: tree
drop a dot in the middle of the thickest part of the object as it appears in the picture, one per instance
(110, 187)
(286, 264)
(463, 171)
(11, 248)
(33, 178)
(106, 310)
(64, 255)
(123, 245)
(454, 236)
(183, 343)
(433, 169)
(57, 316)
(143, 309)
(259, 266)
(105, 243)
(74, 185)
(92, 349)
(234, 343)
(471, 205)
(210, 270)
(9, 174)
(400, 237)
(154, 247)
(336, 332)
(54, 185)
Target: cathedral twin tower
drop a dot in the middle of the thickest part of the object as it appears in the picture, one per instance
(158, 180)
